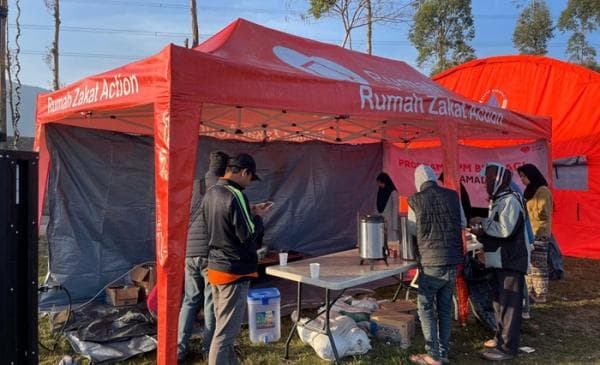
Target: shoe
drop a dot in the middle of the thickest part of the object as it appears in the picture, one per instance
(526, 315)
(496, 355)
(444, 360)
(423, 359)
(537, 300)
(490, 344)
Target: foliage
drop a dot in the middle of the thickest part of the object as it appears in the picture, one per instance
(581, 17)
(441, 31)
(360, 13)
(534, 29)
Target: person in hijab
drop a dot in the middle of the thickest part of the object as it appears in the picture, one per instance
(504, 238)
(539, 207)
(438, 220)
(464, 198)
(387, 205)
(530, 239)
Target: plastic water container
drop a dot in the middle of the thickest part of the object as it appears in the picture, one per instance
(264, 319)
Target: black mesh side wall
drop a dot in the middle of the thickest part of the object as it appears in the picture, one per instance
(102, 208)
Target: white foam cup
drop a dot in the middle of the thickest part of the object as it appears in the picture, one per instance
(314, 270)
(283, 256)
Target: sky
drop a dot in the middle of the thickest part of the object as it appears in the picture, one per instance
(99, 35)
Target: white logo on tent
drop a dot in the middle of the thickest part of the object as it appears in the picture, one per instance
(494, 97)
(316, 65)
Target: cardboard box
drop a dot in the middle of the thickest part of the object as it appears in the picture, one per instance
(399, 306)
(398, 328)
(122, 295)
(144, 276)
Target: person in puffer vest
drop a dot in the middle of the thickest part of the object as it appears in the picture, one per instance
(504, 238)
(197, 289)
(436, 217)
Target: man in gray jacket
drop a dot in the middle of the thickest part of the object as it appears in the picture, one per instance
(436, 216)
(505, 242)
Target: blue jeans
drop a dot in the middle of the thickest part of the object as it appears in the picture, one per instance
(436, 285)
(197, 291)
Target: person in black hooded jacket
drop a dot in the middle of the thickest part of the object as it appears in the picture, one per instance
(197, 290)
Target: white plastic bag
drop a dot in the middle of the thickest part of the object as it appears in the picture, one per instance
(349, 338)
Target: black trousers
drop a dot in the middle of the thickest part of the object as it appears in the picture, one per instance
(508, 308)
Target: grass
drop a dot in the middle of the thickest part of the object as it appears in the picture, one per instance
(566, 330)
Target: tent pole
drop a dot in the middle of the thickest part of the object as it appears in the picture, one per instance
(549, 173)
(176, 126)
(450, 160)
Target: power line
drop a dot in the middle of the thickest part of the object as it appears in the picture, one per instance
(105, 30)
(300, 12)
(149, 4)
(138, 32)
(86, 55)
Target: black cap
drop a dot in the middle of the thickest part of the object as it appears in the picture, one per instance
(244, 161)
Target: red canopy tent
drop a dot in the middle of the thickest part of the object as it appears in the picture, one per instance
(257, 84)
(569, 94)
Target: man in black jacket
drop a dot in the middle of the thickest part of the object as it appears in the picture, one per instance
(232, 228)
(437, 217)
(197, 290)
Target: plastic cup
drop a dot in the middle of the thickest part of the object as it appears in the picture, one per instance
(283, 256)
(314, 270)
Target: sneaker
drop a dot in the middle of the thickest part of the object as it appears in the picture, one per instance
(526, 315)
(490, 344)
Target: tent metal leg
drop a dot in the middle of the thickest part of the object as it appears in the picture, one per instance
(400, 287)
(327, 328)
(286, 354)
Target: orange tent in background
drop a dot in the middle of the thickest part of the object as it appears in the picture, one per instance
(257, 84)
(569, 94)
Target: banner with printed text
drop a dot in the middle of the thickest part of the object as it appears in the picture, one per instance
(400, 164)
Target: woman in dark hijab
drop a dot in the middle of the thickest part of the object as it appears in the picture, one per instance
(464, 198)
(539, 203)
(387, 204)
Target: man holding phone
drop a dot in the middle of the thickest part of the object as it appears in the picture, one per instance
(233, 227)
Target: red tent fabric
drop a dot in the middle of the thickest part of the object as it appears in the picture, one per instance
(258, 84)
(569, 94)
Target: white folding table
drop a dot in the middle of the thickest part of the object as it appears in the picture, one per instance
(338, 271)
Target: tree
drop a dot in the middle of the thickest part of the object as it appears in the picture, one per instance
(15, 89)
(369, 26)
(359, 13)
(580, 17)
(194, 23)
(534, 29)
(441, 31)
(52, 59)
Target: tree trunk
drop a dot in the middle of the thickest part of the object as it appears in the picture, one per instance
(194, 23)
(3, 28)
(369, 27)
(55, 78)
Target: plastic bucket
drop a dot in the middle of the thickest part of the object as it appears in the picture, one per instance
(264, 319)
